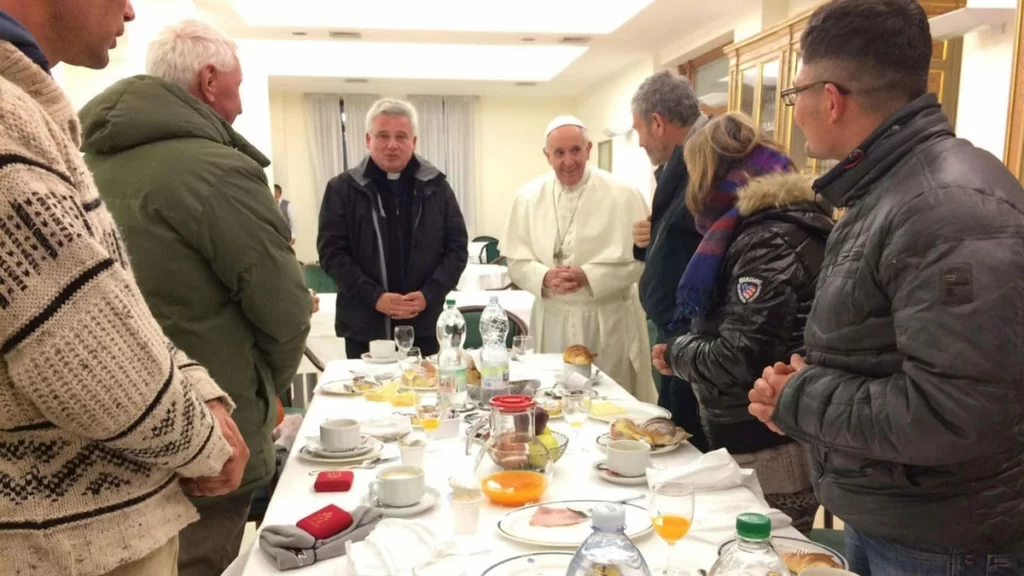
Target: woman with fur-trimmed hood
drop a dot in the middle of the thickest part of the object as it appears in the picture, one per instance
(747, 292)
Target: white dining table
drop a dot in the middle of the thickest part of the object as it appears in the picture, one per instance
(573, 478)
(484, 277)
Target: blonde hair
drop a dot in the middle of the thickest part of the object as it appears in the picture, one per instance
(714, 151)
(181, 50)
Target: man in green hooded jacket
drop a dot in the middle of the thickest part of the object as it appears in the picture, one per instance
(210, 248)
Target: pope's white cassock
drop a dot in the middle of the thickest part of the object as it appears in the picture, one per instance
(605, 316)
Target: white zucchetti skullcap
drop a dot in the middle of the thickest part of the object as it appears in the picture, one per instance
(564, 120)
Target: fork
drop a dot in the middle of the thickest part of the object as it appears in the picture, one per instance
(364, 466)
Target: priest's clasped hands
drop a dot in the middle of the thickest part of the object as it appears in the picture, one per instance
(565, 279)
(401, 307)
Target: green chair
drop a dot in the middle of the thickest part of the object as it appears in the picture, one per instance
(489, 253)
(516, 326)
(318, 280)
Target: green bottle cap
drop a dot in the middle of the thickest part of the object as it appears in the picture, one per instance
(449, 303)
(752, 526)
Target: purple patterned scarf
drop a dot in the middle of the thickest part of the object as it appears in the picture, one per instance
(717, 224)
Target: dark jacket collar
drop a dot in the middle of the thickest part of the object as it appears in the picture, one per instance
(912, 125)
(363, 172)
(12, 31)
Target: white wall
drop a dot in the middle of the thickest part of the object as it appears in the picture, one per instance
(608, 107)
(293, 169)
(510, 139)
(985, 76)
(797, 7)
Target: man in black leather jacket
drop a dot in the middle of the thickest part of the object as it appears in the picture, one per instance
(911, 398)
(665, 114)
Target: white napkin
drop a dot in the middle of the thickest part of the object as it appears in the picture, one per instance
(575, 381)
(396, 547)
(386, 427)
(723, 490)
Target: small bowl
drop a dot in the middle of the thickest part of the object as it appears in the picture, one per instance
(523, 387)
(558, 450)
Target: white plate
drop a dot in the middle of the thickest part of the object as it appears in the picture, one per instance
(786, 545)
(366, 444)
(371, 360)
(310, 456)
(341, 388)
(536, 564)
(609, 476)
(516, 525)
(605, 438)
(638, 412)
(429, 500)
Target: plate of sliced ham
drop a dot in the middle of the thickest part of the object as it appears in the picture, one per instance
(564, 524)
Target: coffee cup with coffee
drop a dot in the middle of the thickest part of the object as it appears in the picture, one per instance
(628, 458)
(382, 349)
(340, 434)
(399, 486)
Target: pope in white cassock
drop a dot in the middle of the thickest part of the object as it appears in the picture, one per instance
(569, 242)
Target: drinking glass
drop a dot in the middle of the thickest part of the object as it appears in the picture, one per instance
(412, 361)
(428, 411)
(404, 338)
(671, 508)
(522, 346)
(576, 409)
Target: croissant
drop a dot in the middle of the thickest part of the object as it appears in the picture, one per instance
(804, 560)
(577, 354)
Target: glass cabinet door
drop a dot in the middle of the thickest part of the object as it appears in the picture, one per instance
(767, 114)
(748, 90)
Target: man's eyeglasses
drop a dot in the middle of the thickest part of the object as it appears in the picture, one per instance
(789, 94)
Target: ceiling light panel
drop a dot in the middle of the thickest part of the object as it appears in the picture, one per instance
(319, 58)
(582, 17)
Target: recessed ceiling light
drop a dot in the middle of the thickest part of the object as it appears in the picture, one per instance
(526, 83)
(529, 39)
(345, 35)
(357, 81)
(299, 33)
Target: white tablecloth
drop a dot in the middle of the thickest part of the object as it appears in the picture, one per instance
(327, 346)
(484, 277)
(573, 479)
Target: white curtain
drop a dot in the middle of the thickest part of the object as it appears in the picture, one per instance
(323, 115)
(356, 108)
(447, 139)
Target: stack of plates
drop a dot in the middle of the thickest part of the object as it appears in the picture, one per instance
(368, 448)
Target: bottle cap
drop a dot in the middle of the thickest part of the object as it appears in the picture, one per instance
(608, 517)
(449, 303)
(752, 526)
(512, 403)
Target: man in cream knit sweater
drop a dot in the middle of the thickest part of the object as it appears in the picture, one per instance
(100, 417)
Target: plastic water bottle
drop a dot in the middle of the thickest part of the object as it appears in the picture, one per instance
(608, 550)
(752, 554)
(451, 360)
(494, 356)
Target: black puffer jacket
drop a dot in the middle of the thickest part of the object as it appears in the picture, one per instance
(764, 294)
(351, 246)
(913, 403)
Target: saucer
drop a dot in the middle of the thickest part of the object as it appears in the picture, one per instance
(365, 445)
(609, 476)
(429, 500)
(318, 457)
(371, 360)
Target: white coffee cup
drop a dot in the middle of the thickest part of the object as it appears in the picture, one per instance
(340, 434)
(382, 349)
(398, 486)
(628, 457)
(412, 451)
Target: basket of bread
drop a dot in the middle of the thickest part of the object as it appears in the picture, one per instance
(577, 359)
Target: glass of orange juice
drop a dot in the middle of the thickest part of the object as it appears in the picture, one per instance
(428, 411)
(671, 507)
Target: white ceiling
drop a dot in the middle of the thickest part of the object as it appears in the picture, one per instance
(476, 55)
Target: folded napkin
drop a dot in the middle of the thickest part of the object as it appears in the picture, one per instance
(285, 432)
(397, 547)
(723, 490)
(292, 547)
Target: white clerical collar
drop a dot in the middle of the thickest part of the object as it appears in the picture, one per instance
(394, 175)
(577, 186)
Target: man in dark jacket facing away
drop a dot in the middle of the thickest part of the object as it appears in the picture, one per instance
(910, 397)
(391, 236)
(209, 246)
(665, 114)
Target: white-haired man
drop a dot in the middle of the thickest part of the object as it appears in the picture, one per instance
(209, 245)
(569, 242)
(391, 236)
(100, 416)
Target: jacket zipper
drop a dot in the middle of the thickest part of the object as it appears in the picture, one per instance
(383, 263)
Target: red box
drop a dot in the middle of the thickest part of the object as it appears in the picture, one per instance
(333, 481)
(326, 522)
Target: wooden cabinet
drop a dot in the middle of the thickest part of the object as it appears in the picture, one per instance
(762, 66)
(1014, 156)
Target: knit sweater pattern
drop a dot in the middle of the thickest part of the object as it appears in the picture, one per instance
(99, 414)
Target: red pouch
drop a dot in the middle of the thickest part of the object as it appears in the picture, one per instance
(326, 522)
(333, 481)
